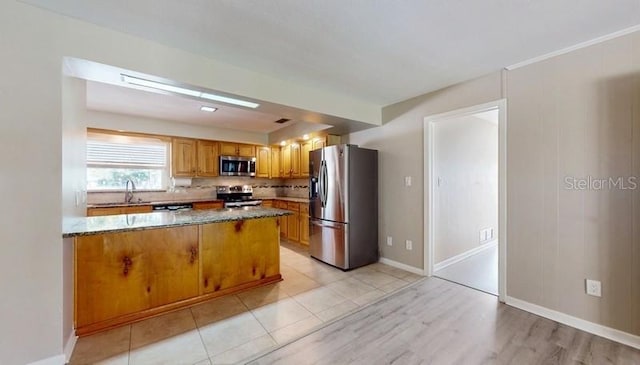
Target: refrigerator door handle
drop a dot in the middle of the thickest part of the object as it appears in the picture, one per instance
(321, 223)
(321, 182)
(325, 182)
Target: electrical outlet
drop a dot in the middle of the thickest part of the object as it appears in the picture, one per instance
(594, 287)
(389, 241)
(409, 245)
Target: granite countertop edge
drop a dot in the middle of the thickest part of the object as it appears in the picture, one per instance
(187, 201)
(87, 226)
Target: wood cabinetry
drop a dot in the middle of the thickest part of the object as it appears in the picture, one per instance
(276, 170)
(295, 161)
(294, 227)
(123, 277)
(305, 148)
(237, 149)
(207, 158)
(208, 205)
(183, 157)
(293, 222)
(263, 161)
(285, 161)
(235, 253)
(304, 223)
(98, 211)
(267, 203)
(191, 158)
(280, 204)
(121, 274)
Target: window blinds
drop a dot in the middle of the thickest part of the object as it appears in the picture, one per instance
(125, 151)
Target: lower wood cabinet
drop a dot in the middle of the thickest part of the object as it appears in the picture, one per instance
(304, 223)
(118, 274)
(208, 205)
(294, 227)
(98, 211)
(127, 276)
(234, 253)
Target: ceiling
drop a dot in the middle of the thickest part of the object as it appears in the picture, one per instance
(126, 100)
(379, 50)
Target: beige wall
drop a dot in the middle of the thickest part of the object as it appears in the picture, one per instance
(576, 115)
(400, 145)
(465, 159)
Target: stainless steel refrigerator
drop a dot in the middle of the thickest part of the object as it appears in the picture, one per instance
(343, 210)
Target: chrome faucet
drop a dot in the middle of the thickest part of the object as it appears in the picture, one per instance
(128, 194)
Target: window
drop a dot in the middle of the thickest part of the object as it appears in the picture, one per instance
(112, 159)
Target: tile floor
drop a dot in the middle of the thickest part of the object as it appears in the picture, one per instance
(236, 327)
(479, 271)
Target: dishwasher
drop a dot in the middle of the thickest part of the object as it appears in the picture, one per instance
(171, 207)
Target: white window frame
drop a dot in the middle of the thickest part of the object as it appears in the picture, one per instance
(130, 137)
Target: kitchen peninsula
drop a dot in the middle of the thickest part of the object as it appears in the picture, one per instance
(133, 266)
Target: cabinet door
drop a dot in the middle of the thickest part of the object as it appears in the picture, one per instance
(286, 161)
(208, 158)
(295, 160)
(263, 162)
(246, 150)
(275, 162)
(317, 143)
(293, 227)
(228, 149)
(304, 158)
(267, 203)
(235, 253)
(123, 273)
(183, 157)
(304, 229)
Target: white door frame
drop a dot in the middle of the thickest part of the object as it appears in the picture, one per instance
(501, 105)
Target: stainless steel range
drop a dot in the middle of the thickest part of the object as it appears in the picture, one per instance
(237, 196)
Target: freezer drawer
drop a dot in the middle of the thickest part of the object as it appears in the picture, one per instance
(328, 242)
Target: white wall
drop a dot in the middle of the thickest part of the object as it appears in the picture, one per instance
(400, 146)
(465, 159)
(34, 43)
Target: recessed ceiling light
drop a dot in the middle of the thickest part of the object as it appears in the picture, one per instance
(209, 109)
(184, 91)
(283, 143)
(305, 137)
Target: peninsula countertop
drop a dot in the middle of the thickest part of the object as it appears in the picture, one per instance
(82, 226)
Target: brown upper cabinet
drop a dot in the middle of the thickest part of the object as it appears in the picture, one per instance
(285, 161)
(237, 149)
(263, 161)
(208, 158)
(305, 148)
(190, 158)
(183, 157)
(275, 162)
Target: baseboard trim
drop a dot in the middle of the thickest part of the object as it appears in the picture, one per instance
(581, 324)
(401, 266)
(71, 344)
(53, 360)
(457, 258)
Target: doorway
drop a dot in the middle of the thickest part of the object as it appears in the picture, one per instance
(464, 197)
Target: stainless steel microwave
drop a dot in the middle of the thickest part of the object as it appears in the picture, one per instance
(237, 166)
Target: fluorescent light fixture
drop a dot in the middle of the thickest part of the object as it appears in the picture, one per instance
(209, 109)
(184, 91)
(227, 100)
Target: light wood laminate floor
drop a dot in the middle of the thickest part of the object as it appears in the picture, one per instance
(438, 322)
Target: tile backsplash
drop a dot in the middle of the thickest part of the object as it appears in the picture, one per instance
(202, 188)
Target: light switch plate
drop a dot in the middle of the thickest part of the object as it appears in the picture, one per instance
(409, 245)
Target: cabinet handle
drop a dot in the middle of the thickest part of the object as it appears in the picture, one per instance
(194, 254)
(127, 264)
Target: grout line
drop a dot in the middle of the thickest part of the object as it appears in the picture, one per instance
(200, 335)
